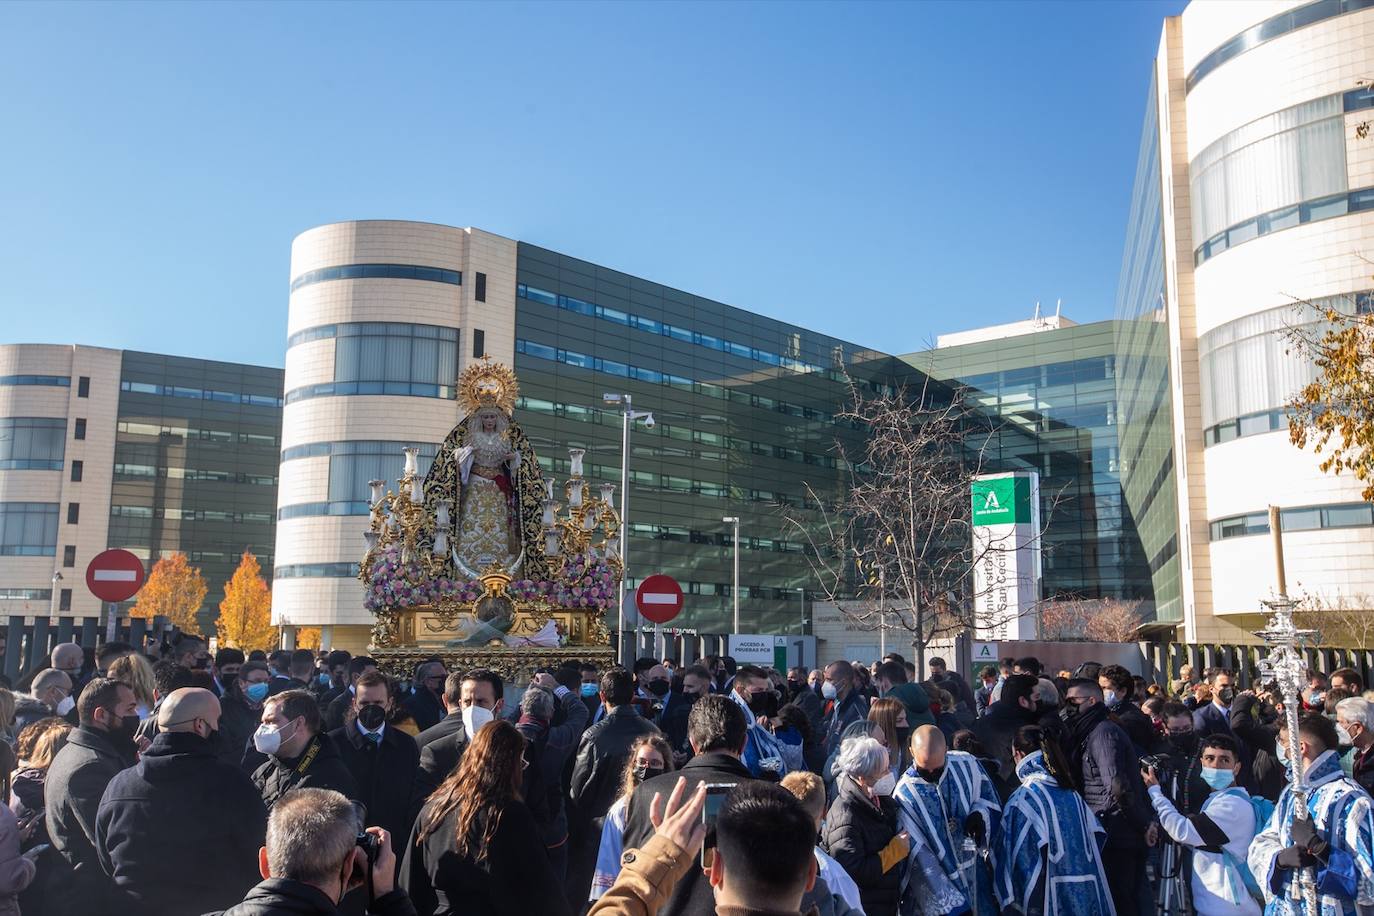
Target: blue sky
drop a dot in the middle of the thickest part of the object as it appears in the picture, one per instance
(881, 172)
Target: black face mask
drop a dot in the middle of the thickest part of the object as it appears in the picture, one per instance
(931, 776)
(763, 703)
(1185, 744)
(1068, 712)
(644, 771)
(1226, 695)
(371, 717)
(658, 688)
(122, 732)
(227, 680)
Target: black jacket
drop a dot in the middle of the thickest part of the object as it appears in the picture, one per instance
(237, 722)
(337, 710)
(385, 775)
(76, 780)
(600, 768)
(424, 707)
(1264, 774)
(856, 830)
(284, 897)
(439, 758)
(453, 722)
(548, 749)
(323, 769)
(995, 731)
(692, 896)
(1109, 776)
(1137, 727)
(515, 878)
(211, 859)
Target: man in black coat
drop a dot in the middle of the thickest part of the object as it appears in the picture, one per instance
(599, 772)
(548, 748)
(337, 710)
(95, 752)
(717, 730)
(1108, 771)
(298, 756)
(160, 865)
(1017, 705)
(696, 683)
(480, 699)
(311, 857)
(336, 663)
(383, 760)
(240, 715)
(452, 722)
(423, 704)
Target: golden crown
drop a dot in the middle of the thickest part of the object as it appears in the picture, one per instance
(488, 384)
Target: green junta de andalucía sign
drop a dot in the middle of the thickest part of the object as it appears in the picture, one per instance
(1002, 501)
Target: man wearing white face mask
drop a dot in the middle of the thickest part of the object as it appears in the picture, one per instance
(1353, 719)
(298, 756)
(51, 696)
(1220, 833)
(481, 698)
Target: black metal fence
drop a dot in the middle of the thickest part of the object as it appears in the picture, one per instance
(1163, 660)
(29, 640)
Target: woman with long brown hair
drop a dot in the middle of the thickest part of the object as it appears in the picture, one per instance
(475, 848)
(890, 715)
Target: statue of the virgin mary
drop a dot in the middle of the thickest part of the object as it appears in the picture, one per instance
(488, 473)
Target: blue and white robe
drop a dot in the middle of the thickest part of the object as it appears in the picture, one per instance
(760, 745)
(1048, 850)
(933, 816)
(1343, 816)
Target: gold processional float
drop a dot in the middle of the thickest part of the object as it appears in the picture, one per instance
(473, 563)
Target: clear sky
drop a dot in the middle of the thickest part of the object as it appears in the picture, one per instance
(880, 172)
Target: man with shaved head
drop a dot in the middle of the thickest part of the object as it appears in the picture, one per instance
(943, 793)
(179, 832)
(50, 695)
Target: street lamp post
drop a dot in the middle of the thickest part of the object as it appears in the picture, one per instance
(628, 415)
(52, 599)
(801, 594)
(734, 589)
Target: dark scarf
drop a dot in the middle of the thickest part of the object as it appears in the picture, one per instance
(1081, 725)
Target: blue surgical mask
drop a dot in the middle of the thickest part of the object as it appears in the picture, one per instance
(589, 690)
(1217, 779)
(256, 692)
(1109, 697)
(325, 680)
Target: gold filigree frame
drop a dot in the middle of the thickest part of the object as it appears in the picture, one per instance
(488, 384)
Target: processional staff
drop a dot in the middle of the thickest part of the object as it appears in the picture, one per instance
(1286, 662)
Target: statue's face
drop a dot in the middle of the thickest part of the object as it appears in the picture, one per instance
(488, 423)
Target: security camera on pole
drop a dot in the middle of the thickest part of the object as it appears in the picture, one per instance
(628, 415)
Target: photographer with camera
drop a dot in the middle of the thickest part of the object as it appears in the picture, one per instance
(317, 851)
(1219, 834)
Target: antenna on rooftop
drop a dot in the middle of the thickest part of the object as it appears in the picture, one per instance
(1057, 304)
(1036, 316)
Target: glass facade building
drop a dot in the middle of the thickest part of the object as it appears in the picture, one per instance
(197, 446)
(1054, 395)
(744, 410)
(1145, 418)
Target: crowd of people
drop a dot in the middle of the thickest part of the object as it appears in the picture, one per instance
(181, 782)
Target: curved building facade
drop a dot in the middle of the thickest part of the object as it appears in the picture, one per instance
(1266, 217)
(383, 316)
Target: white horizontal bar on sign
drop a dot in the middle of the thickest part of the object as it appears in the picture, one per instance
(658, 598)
(114, 575)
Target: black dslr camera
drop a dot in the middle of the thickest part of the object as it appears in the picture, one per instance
(369, 843)
(1159, 764)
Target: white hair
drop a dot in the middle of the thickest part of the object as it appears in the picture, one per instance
(1357, 709)
(537, 702)
(862, 757)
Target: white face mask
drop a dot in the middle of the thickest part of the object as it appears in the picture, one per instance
(66, 706)
(268, 738)
(474, 717)
(1281, 751)
(1343, 736)
(828, 690)
(886, 785)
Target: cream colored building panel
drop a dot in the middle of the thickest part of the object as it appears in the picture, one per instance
(385, 417)
(1329, 563)
(1321, 59)
(1249, 474)
(1208, 24)
(31, 486)
(309, 363)
(376, 299)
(320, 539)
(319, 602)
(304, 480)
(378, 242)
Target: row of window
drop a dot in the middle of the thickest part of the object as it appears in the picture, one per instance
(1285, 218)
(655, 377)
(164, 430)
(190, 515)
(338, 389)
(378, 271)
(358, 447)
(28, 529)
(663, 329)
(1270, 29)
(1047, 375)
(32, 443)
(1305, 518)
(685, 433)
(316, 571)
(371, 329)
(316, 510)
(129, 471)
(200, 394)
(25, 594)
(1266, 421)
(55, 381)
(200, 557)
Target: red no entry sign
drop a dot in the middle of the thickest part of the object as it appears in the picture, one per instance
(115, 575)
(659, 598)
